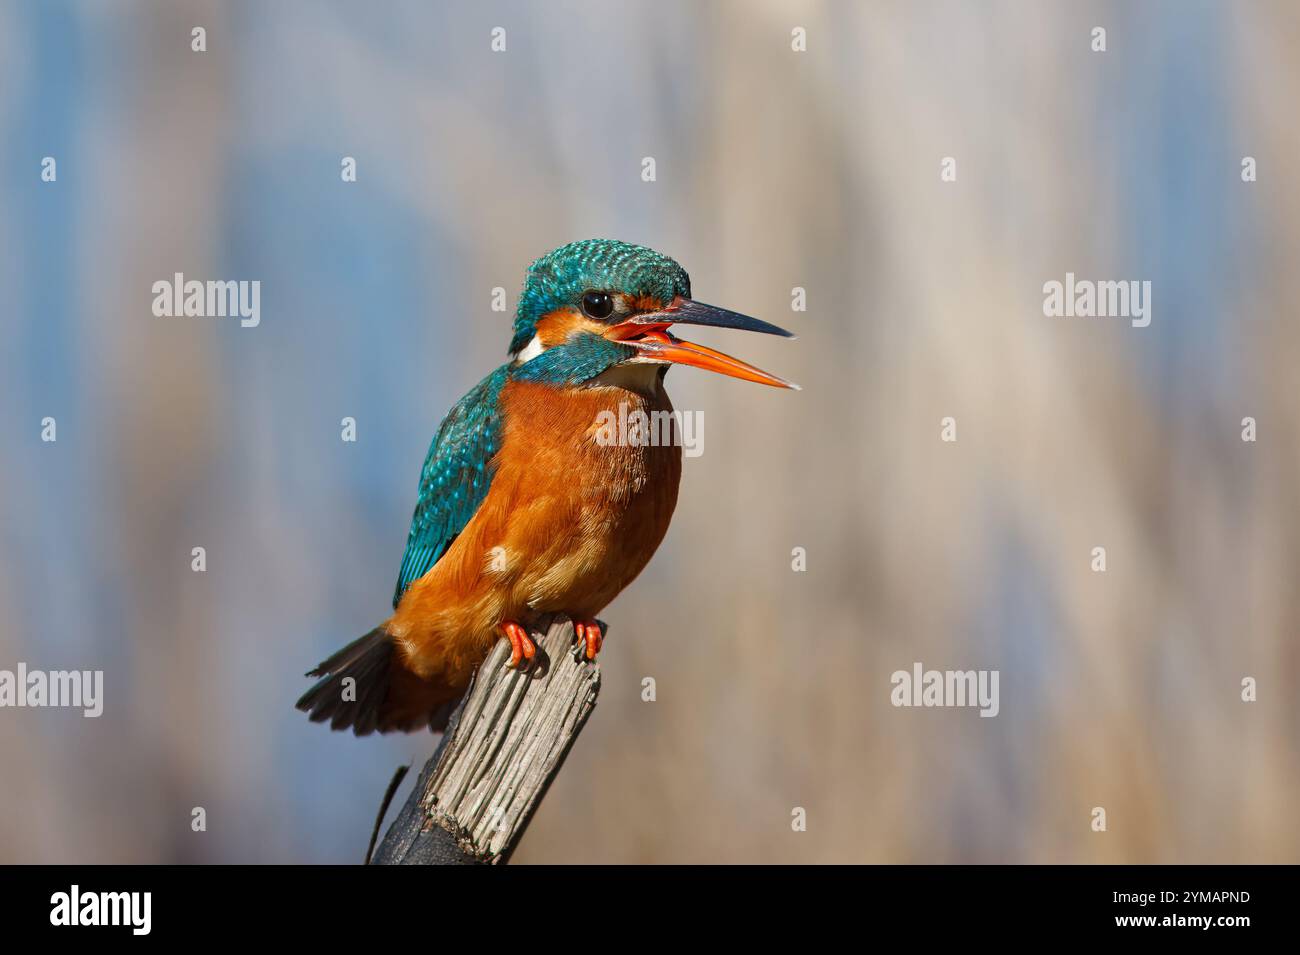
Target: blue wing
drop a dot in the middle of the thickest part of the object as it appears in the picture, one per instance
(455, 478)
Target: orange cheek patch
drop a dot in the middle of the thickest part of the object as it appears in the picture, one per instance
(555, 328)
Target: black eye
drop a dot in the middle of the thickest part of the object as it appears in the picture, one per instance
(598, 304)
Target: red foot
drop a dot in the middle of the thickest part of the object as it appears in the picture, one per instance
(521, 646)
(588, 633)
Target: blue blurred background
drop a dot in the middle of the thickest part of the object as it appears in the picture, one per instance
(775, 169)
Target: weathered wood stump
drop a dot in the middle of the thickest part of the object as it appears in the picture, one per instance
(503, 746)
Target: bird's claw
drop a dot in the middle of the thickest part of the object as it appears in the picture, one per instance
(521, 645)
(588, 634)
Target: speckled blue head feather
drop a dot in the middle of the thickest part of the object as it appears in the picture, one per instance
(560, 278)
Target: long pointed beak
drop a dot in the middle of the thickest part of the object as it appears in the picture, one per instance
(648, 334)
(685, 311)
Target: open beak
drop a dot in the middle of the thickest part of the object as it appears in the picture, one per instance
(648, 334)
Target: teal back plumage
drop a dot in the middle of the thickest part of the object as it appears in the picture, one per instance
(455, 477)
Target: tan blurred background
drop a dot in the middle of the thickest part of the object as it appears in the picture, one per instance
(775, 169)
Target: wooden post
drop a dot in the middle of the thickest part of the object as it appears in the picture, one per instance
(504, 745)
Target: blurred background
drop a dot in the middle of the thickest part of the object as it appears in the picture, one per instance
(775, 169)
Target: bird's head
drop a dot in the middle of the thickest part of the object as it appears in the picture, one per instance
(589, 306)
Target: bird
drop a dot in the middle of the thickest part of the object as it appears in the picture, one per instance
(524, 506)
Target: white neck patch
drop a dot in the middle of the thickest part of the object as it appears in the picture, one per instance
(532, 349)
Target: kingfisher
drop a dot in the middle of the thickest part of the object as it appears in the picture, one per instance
(525, 506)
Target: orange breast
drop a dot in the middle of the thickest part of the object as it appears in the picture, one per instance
(568, 522)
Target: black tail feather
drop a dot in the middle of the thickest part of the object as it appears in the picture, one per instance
(367, 661)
